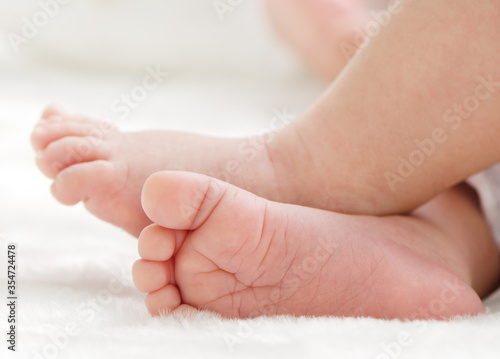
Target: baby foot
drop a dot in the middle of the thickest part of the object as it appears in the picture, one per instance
(97, 164)
(220, 248)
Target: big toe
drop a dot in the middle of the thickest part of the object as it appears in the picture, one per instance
(181, 200)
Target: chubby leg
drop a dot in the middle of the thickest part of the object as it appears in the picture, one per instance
(385, 139)
(217, 247)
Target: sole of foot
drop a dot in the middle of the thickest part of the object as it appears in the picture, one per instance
(216, 247)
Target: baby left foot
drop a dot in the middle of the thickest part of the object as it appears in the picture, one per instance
(220, 248)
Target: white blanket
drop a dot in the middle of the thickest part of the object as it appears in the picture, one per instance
(76, 298)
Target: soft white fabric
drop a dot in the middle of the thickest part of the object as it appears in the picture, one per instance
(76, 295)
(487, 185)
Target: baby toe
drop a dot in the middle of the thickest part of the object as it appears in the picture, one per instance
(46, 132)
(157, 243)
(69, 151)
(164, 300)
(53, 111)
(150, 276)
(181, 200)
(85, 180)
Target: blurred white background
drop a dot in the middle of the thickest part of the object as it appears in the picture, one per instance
(130, 34)
(74, 52)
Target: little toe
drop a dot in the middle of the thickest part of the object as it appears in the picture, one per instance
(165, 300)
(157, 243)
(150, 276)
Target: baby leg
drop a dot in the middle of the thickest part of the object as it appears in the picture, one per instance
(385, 139)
